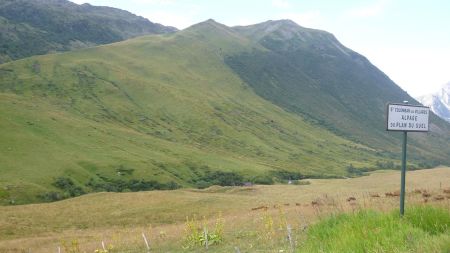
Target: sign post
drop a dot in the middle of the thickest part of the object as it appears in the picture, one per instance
(406, 118)
(403, 176)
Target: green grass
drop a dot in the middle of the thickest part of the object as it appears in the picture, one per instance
(120, 218)
(165, 106)
(431, 220)
(41, 27)
(170, 109)
(423, 229)
(310, 73)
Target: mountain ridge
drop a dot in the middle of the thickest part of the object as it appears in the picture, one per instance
(39, 27)
(320, 61)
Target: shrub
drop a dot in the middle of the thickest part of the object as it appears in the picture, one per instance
(120, 185)
(51, 196)
(201, 184)
(267, 180)
(68, 186)
(288, 175)
(218, 178)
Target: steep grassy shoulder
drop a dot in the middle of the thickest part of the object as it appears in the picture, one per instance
(310, 73)
(165, 107)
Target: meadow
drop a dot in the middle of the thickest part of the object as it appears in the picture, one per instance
(174, 109)
(259, 218)
(192, 116)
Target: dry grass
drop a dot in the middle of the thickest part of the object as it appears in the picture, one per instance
(255, 217)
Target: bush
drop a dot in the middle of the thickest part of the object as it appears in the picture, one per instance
(288, 175)
(354, 171)
(51, 196)
(70, 189)
(201, 184)
(68, 186)
(218, 178)
(134, 185)
(267, 180)
(385, 165)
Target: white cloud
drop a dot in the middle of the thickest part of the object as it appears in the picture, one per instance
(281, 3)
(417, 70)
(371, 10)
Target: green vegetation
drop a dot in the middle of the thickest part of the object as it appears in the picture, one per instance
(198, 235)
(133, 185)
(69, 189)
(218, 178)
(310, 73)
(254, 219)
(167, 111)
(431, 220)
(39, 27)
(423, 229)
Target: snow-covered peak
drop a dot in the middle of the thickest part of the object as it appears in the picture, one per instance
(439, 102)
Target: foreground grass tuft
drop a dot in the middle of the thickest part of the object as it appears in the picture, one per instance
(429, 219)
(423, 229)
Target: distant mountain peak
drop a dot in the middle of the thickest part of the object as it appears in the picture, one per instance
(286, 35)
(258, 31)
(439, 102)
(208, 23)
(281, 22)
(210, 20)
(445, 93)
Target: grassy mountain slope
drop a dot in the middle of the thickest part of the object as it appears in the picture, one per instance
(163, 108)
(162, 111)
(308, 72)
(41, 26)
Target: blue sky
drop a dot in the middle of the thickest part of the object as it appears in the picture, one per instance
(408, 40)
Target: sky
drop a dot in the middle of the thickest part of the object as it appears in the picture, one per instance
(409, 40)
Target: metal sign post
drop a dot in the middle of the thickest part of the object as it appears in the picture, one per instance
(406, 118)
(403, 176)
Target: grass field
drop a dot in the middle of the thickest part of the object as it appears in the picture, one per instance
(422, 229)
(254, 219)
(137, 104)
(169, 109)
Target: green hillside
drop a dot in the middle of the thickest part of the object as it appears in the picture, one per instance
(308, 72)
(166, 111)
(42, 26)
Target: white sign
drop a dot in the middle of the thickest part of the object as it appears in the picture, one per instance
(410, 118)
